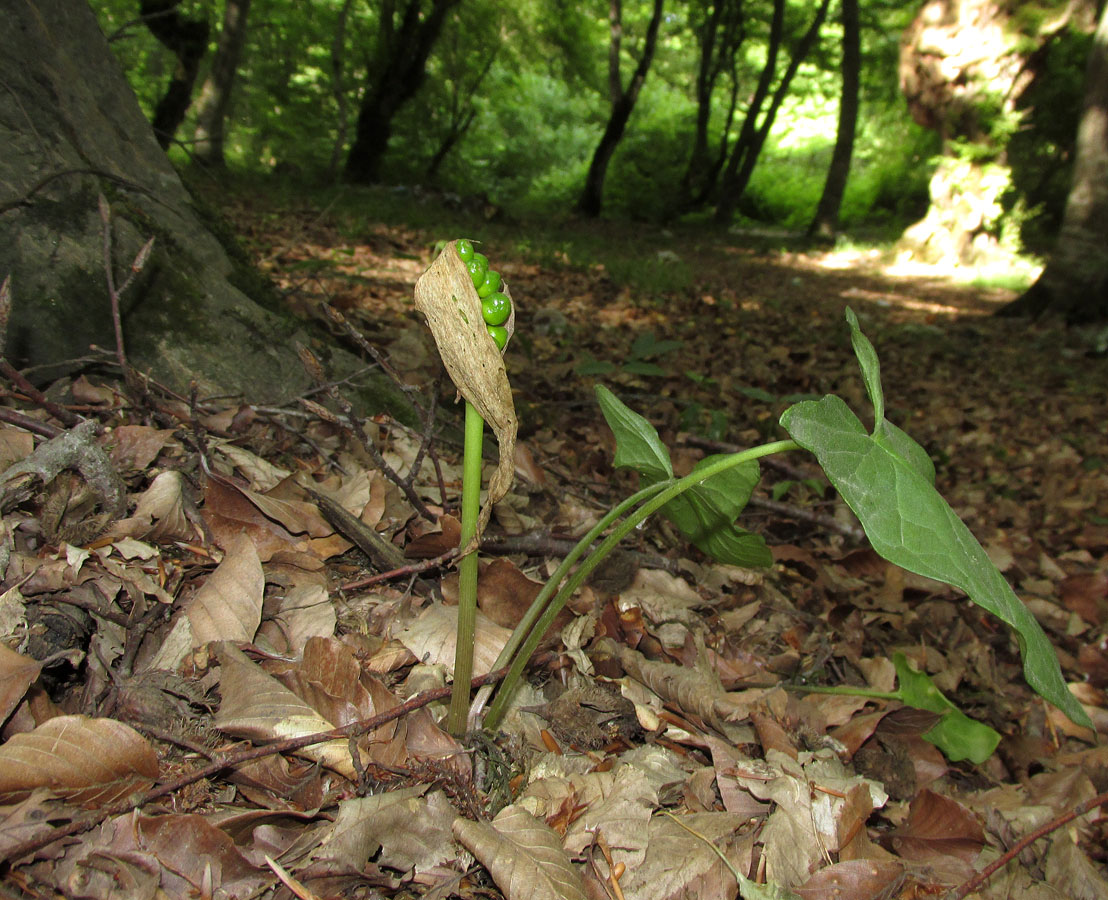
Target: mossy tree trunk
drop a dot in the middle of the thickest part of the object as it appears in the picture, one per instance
(404, 43)
(187, 40)
(71, 130)
(752, 138)
(1074, 283)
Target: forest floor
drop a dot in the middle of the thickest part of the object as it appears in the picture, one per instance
(161, 658)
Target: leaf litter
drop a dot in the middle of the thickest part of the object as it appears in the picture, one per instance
(212, 684)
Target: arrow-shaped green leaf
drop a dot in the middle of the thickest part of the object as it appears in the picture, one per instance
(910, 524)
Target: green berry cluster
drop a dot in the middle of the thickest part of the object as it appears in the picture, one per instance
(495, 305)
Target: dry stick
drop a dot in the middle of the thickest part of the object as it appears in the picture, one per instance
(43, 429)
(428, 412)
(1023, 843)
(403, 571)
(19, 380)
(355, 425)
(358, 338)
(231, 760)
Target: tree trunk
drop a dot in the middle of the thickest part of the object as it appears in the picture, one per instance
(1074, 283)
(72, 129)
(749, 147)
(962, 68)
(215, 94)
(623, 104)
(187, 40)
(720, 36)
(338, 88)
(393, 79)
(826, 221)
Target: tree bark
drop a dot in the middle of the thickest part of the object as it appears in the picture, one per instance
(720, 36)
(338, 87)
(1074, 283)
(214, 101)
(187, 40)
(392, 80)
(71, 129)
(749, 147)
(826, 221)
(623, 104)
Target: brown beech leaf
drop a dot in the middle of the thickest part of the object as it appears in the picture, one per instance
(858, 879)
(88, 761)
(17, 673)
(938, 827)
(257, 706)
(201, 858)
(433, 636)
(504, 593)
(228, 606)
(523, 855)
(446, 296)
(137, 446)
(228, 512)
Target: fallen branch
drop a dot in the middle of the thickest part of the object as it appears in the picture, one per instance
(230, 760)
(968, 887)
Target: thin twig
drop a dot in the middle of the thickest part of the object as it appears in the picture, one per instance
(403, 571)
(14, 417)
(230, 760)
(968, 887)
(17, 378)
(355, 425)
(338, 319)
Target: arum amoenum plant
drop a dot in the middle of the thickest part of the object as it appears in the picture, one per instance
(472, 318)
(885, 477)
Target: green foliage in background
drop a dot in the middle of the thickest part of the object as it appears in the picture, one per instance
(516, 97)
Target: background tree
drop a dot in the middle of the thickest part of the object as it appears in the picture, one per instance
(187, 40)
(720, 29)
(826, 220)
(752, 138)
(1074, 283)
(405, 38)
(214, 100)
(338, 87)
(622, 101)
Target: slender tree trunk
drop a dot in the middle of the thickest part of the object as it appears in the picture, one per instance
(186, 39)
(214, 101)
(338, 87)
(720, 35)
(623, 104)
(1074, 283)
(734, 183)
(725, 209)
(826, 221)
(392, 81)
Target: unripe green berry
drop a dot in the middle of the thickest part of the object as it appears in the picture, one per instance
(490, 284)
(499, 334)
(465, 250)
(495, 308)
(477, 267)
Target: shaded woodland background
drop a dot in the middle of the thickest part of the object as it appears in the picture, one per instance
(949, 125)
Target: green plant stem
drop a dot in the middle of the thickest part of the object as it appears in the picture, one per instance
(523, 627)
(467, 572)
(673, 489)
(844, 689)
